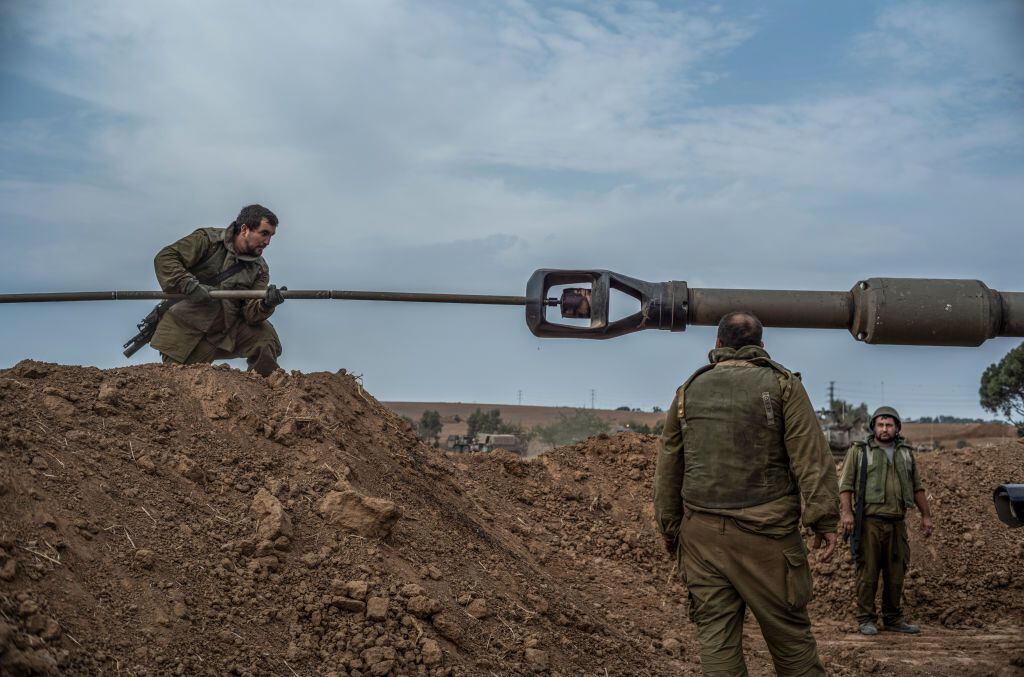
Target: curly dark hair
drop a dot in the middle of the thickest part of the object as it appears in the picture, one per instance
(252, 215)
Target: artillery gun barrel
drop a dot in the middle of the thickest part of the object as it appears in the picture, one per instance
(328, 294)
(887, 310)
(774, 307)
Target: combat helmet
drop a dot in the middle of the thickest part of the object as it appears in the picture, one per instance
(886, 411)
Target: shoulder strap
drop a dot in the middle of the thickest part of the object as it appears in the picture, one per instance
(784, 375)
(224, 274)
(859, 462)
(703, 370)
(862, 481)
(681, 391)
(772, 364)
(860, 507)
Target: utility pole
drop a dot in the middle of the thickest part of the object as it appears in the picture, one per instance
(592, 393)
(519, 396)
(831, 395)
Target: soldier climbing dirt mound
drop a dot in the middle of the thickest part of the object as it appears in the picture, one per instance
(203, 329)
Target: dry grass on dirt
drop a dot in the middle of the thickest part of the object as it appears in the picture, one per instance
(198, 520)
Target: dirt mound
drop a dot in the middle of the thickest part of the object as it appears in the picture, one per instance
(199, 520)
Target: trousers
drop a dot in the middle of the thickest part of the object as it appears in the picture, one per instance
(884, 553)
(728, 569)
(259, 344)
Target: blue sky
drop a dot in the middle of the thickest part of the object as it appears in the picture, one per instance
(459, 146)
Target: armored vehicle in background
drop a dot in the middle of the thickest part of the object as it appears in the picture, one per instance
(486, 442)
(842, 429)
(492, 441)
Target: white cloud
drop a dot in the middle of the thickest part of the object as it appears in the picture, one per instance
(343, 102)
(978, 40)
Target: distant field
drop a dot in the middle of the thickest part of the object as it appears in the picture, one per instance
(529, 416)
(526, 416)
(949, 433)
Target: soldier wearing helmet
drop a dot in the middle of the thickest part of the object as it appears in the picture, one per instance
(879, 481)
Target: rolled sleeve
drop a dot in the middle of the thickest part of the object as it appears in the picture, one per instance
(846, 477)
(915, 476)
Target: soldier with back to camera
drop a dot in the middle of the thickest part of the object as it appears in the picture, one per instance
(743, 463)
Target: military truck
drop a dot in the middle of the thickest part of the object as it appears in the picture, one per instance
(461, 443)
(492, 441)
(486, 442)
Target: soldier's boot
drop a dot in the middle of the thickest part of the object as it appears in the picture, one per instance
(902, 626)
(264, 362)
(868, 628)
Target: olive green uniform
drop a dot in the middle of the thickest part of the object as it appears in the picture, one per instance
(194, 332)
(743, 462)
(884, 548)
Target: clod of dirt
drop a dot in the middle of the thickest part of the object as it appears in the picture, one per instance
(377, 608)
(431, 652)
(271, 519)
(423, 606)
(478, 609)
(364, 515)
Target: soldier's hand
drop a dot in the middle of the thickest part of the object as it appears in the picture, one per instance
(197, 291)
(273, 297)
(671, 543)
(927, 526)
(846, 524)
(827, 541)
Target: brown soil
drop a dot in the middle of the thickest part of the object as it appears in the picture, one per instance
(198, 520)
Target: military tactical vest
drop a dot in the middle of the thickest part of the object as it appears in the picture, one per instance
(734, 451)
(878, 468)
